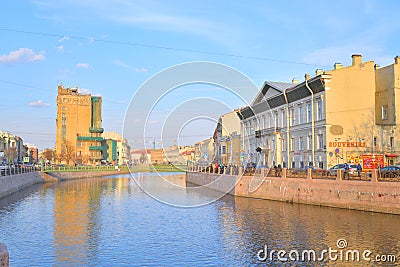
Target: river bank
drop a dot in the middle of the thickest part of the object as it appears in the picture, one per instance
(383, 197)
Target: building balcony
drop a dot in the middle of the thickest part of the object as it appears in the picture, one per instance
(267, 131)
(98, 148)
(95, 130)
(89, 138)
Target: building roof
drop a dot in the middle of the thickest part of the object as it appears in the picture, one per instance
(293, 93)
(269, 89)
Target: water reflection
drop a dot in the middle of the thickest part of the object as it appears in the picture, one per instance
(112, 222)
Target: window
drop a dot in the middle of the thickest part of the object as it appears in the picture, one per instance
(391, 141)
(64, 100)
(291, 114)
(269, 121)
(79, 144)
(293, 164)
(264, 118)
(283, 118)
(375, 141)
(384, 112)
(283, 145)
(319, 110)
(64, 108)
(223, 150)
(309, 112)
(301, 143)
(292, 144)
(276, 121)
(63, 132)
(301, 114)
(309, 142)
(63, 119)
(320, 141)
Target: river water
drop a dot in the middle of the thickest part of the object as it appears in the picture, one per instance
(112, 222)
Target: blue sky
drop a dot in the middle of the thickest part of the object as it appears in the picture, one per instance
(111, 47)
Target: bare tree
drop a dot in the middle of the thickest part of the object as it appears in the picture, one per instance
(69, 153)
(10, 154)
(48, 154)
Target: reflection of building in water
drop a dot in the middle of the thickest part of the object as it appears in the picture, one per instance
(75, 220)
(253, 223)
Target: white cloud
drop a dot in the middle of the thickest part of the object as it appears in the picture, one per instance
(38, 104)
(65, 38)
(122, 64)
(60, 48)
(22, 55)
(85, 91)
(141, 70)
(83, 65)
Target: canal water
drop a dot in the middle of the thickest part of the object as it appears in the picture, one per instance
(112, 222)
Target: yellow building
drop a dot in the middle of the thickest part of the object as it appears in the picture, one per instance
(227, 139)
(334, 117)
(78, 127)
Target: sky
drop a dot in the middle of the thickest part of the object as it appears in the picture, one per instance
(112, 48)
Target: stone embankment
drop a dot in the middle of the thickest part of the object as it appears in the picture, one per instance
(372, 195)
(12, 183)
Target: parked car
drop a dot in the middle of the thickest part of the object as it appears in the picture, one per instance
(353, 169)
(314, 168)
(389, 172)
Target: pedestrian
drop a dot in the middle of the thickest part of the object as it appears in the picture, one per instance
(359, 170)
(279, 170)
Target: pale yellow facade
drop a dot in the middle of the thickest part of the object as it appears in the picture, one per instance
(334, 117)
(78, 127)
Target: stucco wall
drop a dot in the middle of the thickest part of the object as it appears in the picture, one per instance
(359, 195)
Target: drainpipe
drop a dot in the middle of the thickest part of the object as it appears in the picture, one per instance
(312, 122)
(287, 130)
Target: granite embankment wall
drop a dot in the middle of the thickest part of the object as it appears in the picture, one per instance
(12, 183)
(61, 176)
(350, 194)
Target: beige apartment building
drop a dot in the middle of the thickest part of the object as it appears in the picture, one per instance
(204, 152)
(227, 139)
(336, 116)
(78, 127)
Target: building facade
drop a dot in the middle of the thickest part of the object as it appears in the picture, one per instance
(123, 149)
(227, 139)
(78, 127)
(204, 152)
(12, 149)
(334, 117)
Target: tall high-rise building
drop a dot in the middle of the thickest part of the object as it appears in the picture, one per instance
(79, 127)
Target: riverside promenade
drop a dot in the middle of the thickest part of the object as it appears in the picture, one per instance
(366, 193)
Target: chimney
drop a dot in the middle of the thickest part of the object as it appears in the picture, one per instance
(337, 66)
(357, 59)
(397, 60)
(319, 72)
(307, 76)
(295, 81)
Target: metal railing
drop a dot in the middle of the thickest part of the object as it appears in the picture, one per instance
(6, 170)
(299, 173)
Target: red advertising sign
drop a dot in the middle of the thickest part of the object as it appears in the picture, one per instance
(372, 161)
